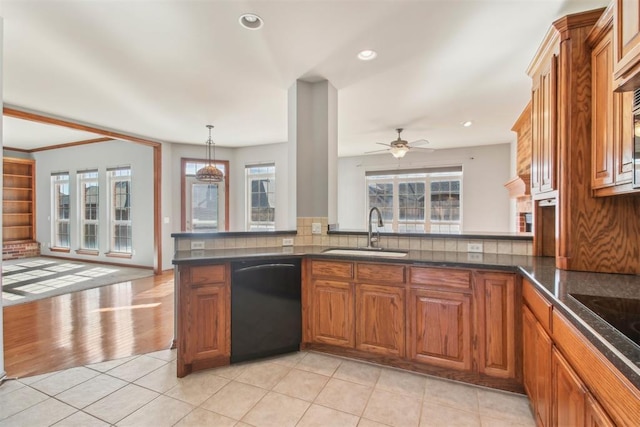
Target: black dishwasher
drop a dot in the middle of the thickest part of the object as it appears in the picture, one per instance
(265, 308)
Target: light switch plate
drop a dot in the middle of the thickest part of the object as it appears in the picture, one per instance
(316, 228)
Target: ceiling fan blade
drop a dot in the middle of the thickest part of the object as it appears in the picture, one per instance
(382, 143)
(419, 142)
(426, 150)
(375, 151)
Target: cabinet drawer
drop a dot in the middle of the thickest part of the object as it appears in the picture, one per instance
(342, 270)
(539, 306)
(381, 273)
(440, 277)
(207, 274)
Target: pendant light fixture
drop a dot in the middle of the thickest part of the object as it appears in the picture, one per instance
(210, 173)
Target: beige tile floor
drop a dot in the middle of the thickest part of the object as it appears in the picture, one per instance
(300, 389)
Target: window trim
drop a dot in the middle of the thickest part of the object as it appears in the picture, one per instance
(392, 176)
(110, 214)
(82, 221)
(183, 190)
(55, 212)
(248, 193)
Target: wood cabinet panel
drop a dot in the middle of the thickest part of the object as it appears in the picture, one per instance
(440, 277)
(207, 331)
(543, 127)
(380, 319)
(334, 269)
(497, 323)
(332, 313)
(619, 398)
(569, 393)
(538, 305)
(602, 148)
(207, 274)
(594, 415)
(203, 321)
(381, 273)
(439, 328)
(627, 43)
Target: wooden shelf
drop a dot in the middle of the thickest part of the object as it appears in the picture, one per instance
(18, 206)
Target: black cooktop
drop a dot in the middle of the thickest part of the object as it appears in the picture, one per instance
(621, 313)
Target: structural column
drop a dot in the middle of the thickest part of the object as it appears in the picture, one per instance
(313, 149)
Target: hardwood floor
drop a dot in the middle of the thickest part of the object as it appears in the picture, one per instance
(89, 326)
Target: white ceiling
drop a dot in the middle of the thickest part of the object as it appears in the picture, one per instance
(165, 69)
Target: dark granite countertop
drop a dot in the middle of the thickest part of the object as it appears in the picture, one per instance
(555, 284)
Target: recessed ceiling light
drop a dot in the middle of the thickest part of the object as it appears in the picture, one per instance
(367, 55)
(467, 123)
(251, 21)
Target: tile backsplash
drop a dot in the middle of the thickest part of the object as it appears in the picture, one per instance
(305, 237)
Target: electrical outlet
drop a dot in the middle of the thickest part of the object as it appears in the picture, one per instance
(198, 244)
(474, 257)
(287, 242)
(316, 228)
(474, 247)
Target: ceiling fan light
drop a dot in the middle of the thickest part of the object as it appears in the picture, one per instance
(399, 151)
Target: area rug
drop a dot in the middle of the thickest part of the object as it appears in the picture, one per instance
(31, 279)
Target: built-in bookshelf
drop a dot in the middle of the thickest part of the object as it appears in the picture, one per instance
(18, 200)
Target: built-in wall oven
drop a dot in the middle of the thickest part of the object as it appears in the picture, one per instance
(636, 139)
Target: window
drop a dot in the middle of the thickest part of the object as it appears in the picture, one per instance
(204, 204)
(261, 197)
(88, 191)
(120, 210)
(60, 210)
(417, 201)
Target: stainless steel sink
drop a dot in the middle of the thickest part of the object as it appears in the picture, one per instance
(365, 252)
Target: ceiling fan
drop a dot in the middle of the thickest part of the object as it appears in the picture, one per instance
(399, 147)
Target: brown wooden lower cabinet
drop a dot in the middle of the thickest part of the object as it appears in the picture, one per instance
(569, 393)
(439, 328)
(204, 330)
(536, 354)
(497, 323)
(595, 415)
(332, 311)
(380, 319)
(421, 318)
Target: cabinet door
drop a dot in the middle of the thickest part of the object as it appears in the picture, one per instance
(332, 313)
(207, 324)
(529, 353)
(380, 324)
(627, 27)
(543, 127)
(496, 324)
(602, 148)
(439, 325)
(569, 394)
(595, 415)
(543, 376)
(624, 137)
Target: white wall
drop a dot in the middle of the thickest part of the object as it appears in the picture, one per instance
(238, 158)
(99, 156)
(485, 201)
(167, 219)
(271, 153)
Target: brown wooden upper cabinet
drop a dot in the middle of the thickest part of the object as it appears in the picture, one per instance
(544, 107)
(626, 29)
(612, 118)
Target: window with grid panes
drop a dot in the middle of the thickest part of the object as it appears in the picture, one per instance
(89, 204)
(417, 200)
(60, 210)
(261, 197)
(120, 230)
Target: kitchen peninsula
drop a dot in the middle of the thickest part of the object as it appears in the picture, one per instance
(476, 298)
